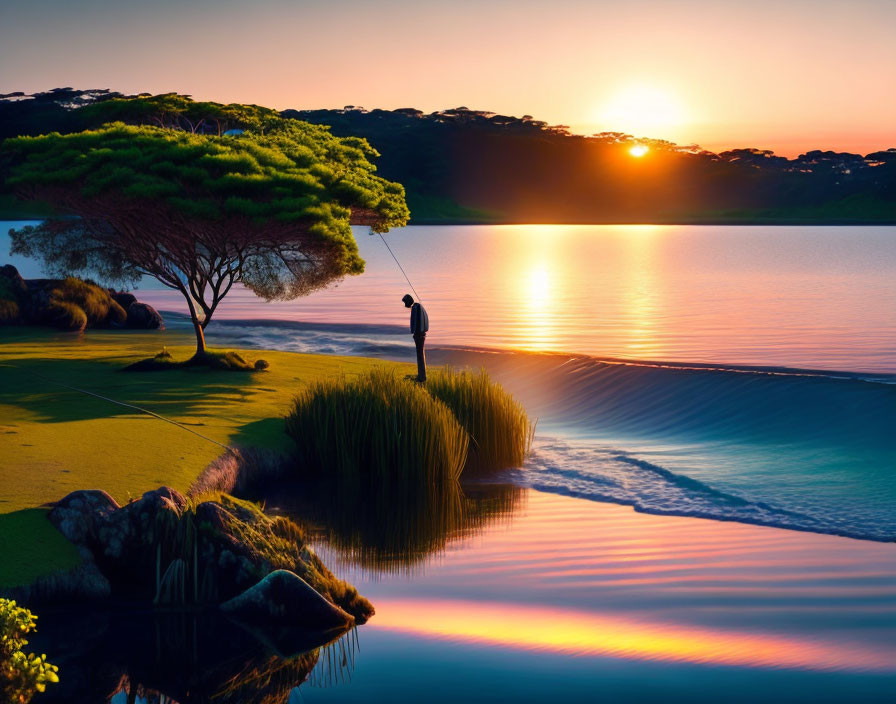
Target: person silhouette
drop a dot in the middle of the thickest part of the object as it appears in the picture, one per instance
(419, 328)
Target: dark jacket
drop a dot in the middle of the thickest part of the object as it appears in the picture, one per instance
(419, 319)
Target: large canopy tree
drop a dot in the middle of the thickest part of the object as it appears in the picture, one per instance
(270, 208)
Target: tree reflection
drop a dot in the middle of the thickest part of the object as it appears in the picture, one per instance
(398, 532)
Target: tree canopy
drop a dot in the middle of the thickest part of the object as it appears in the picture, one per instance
(270, 208)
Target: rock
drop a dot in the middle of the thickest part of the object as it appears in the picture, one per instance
(143, 316)
(285, 599)
(126, 529)
(123, 298)
(14, 279)
(79, 515)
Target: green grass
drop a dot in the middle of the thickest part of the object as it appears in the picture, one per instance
(377, 432)
(500, 431)
(28, 543)
(54, 440)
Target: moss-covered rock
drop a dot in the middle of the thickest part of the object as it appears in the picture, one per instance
(180, 552)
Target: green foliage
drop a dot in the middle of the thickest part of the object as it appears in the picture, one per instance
(500, 431)
(294, 172)
(21, 676)
(270, 208)
(376, 433)
(178, 112)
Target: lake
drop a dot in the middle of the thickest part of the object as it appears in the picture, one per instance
(741, 374)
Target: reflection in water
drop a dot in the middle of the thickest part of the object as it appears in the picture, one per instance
(185, 658)
(395, 534)
(586, 633)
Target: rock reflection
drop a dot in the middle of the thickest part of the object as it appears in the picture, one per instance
(184, 658)
(397, 533)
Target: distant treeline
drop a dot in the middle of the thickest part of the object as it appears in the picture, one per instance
(464, 165)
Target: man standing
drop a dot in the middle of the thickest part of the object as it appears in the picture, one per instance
(419, 327)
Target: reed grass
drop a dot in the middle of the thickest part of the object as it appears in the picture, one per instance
(499, 428)
(377, 432)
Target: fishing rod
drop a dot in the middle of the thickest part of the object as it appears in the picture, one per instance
(398, 263)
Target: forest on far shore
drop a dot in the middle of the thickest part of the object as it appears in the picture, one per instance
(462, 165)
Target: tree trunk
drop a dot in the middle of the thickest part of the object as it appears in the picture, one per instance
(200, 335)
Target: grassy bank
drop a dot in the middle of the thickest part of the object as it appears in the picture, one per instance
(54, 440)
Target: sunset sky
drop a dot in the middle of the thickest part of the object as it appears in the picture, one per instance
(789, 76)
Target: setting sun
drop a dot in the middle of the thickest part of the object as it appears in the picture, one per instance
(638, 150)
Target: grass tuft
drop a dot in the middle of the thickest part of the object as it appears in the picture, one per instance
(224, 360)
(377, 432)
(500, 431)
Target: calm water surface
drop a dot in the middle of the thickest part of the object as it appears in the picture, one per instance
(530, 597)
(815, 297)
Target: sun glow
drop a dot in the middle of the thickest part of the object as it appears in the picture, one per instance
(642, 109)
(638, 150)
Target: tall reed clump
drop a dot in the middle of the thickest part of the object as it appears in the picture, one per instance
(500, 431)
(378, 432)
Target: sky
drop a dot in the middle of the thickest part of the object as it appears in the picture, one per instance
(787, 75)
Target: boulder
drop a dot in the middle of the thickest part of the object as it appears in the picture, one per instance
(14, 279)
(285, 599)
(123, 298)
(143, 316)
(79, 515)
(122, 535)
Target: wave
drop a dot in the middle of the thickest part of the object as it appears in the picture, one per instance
(606, 474)
(795, 448)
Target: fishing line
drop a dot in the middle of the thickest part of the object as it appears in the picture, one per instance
(120, 403)
(399, 265)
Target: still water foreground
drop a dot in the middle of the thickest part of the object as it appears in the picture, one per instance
(531, 596)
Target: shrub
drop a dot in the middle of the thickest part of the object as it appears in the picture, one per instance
(9, 311)
(376, 433)
(21, 676)
(500, 431)
(261, 365)
(117, 315)
(66, 315)
(94, 305)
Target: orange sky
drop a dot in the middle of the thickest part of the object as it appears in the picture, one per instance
(783, 75)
